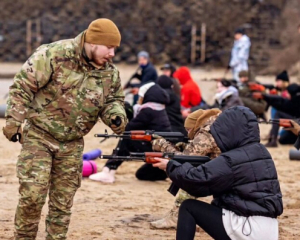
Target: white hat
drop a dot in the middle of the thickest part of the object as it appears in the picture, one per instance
(143, 89)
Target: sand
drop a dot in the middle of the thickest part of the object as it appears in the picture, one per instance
(122, 211)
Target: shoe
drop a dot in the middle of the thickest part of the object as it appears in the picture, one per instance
(167, 222)
(272, 142)
(106, 176)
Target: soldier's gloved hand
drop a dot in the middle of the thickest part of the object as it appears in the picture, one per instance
(180, 146)
(118, 124)
(295, 128)
(158, 143)
(13, 130)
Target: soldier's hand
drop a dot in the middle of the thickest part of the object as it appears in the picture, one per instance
(13, 130)
(118, 124)
(157, 144)
(180, 146)
(295, 128)
(257, 95)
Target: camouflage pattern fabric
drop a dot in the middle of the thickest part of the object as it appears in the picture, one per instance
(46, 164)
(203, 144)
(58, 91)
(258, 106)
(62, 96)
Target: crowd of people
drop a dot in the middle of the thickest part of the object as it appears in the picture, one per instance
(64, 87)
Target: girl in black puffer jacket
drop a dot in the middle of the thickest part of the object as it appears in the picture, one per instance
(243, 181)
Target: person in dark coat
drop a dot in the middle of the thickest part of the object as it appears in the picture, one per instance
(169, 70)
(285, 108)
(243, 181)
(151, 115)
(173, 107)
(146, 73)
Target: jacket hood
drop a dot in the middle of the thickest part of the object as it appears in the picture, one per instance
(234, 128)
(183, 75)
(165, 82)
(156, 94)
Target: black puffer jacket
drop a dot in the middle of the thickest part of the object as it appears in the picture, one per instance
(243, 179)
(150, 119)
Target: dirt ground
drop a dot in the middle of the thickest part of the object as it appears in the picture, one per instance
(122, 211)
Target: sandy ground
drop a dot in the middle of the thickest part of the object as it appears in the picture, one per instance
(122, 211)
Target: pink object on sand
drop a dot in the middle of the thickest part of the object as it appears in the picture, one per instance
(88, 168)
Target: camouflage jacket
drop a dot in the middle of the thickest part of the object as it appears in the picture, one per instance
(59, 92)
(258, 106)
(203, 143)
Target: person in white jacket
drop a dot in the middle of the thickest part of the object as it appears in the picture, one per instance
(239, 53)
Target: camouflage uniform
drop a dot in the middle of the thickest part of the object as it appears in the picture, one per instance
(258, 106)
(203, 144)
(62, 97)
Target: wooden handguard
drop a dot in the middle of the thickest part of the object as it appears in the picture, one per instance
(147, 138)
(285, 123)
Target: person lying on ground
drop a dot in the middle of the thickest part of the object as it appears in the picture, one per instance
(202, 144)
(150, 115)
(243, 182)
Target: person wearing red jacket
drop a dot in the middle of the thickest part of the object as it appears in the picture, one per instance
(190, 91)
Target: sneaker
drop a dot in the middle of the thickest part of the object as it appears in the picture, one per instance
(168, 222)
(106, 176)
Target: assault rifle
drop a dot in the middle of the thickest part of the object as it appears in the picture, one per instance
(148, 157)
(282, 122)
(146, 135)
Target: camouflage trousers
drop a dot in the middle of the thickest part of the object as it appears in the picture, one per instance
(46, 165)
(182, 195)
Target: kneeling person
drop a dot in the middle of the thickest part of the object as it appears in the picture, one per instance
(243, 182)
(203, 144)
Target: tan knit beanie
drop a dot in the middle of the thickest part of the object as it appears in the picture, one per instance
(197, 120)
(192, 118)
(103, 32)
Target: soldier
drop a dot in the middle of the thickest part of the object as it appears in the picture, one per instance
(62, 90)
(197, 125)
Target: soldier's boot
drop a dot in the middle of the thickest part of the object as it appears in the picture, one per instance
(167, 222)
(272, 142)
(106, 176)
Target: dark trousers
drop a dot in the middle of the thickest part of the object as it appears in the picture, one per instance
(286, 137)
(207, 216)
(146, 172)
